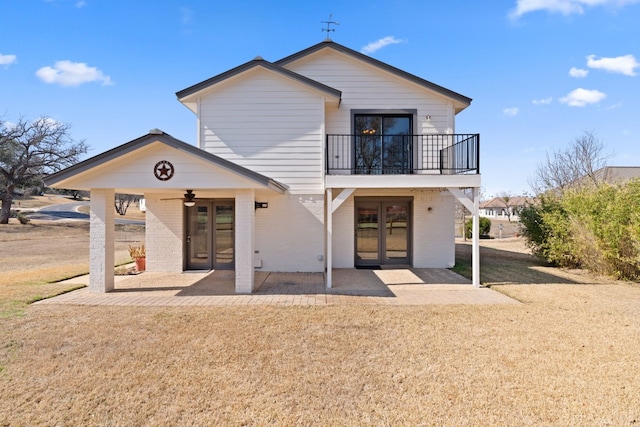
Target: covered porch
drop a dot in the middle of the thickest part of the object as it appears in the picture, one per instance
(174, 178)
(429, 217)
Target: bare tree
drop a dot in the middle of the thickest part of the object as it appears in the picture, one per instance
(574, 166)
(123, 201)
(28, 151)
(507, 200)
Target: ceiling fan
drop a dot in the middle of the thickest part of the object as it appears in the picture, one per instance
(188, 199)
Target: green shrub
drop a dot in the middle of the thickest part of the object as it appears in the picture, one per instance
(484, 225)
(593, 228)
(22, 218)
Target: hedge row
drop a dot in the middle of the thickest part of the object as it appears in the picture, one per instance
(593, 228)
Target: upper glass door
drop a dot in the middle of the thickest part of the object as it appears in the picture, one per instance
(382, 144)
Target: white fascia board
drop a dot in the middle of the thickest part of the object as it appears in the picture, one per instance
(402, 181)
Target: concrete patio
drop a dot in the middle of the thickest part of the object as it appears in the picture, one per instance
(351, 286)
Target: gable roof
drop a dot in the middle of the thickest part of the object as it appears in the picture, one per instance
(328, 44)
(184, 94)
(156, 135)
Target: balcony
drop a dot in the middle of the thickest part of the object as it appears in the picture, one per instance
(370, 154)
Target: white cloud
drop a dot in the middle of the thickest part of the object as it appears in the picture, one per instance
(565, 7)
(379, 44)
(7, 59)
(543, 101)
(81, 4)
(67, 73)
(578, 72)
(513, 111)
(621, 64)
(581, 97)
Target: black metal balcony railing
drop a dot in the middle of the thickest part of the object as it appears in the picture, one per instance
(402, 154)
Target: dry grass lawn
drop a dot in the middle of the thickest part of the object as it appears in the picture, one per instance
(567, 356)
(41, 252)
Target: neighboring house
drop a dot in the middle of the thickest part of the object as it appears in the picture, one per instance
(325, 159)
(497, 208)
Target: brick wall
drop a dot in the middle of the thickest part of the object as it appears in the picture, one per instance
(164, 234)
(433, 231)
(290, 232)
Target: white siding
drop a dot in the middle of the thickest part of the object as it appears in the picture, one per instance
(365, 87)
(268, 124)
(133, 173)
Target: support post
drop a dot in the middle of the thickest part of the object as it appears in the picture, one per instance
(329, 232)
(474, 207)
(101, 240)
(245, 241)
(475, 252)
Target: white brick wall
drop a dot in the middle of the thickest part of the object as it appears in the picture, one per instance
(343, 234)
(101, 241)
(290, 232)
(245, 239)
(434, 239)
(164, 234)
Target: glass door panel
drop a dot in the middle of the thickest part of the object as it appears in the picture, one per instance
(367, 236)
(198, 237)
(368, 144)
(395, 145)
(224, 235)
(396, 234)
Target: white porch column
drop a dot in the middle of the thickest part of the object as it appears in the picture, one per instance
(475, 244)
(332, 206)
(329, 221)
(472, 206)
(245, 241)
(101, 240)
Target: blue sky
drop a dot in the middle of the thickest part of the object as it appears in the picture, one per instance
(540, 72)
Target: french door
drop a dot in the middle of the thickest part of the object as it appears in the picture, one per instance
(210, 235)
(382, 144)
(383, 232)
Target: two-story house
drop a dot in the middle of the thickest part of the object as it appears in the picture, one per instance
(324, 159)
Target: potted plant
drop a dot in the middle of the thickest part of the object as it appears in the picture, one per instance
(139, 255)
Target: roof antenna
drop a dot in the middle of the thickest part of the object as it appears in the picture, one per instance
(329, 29)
